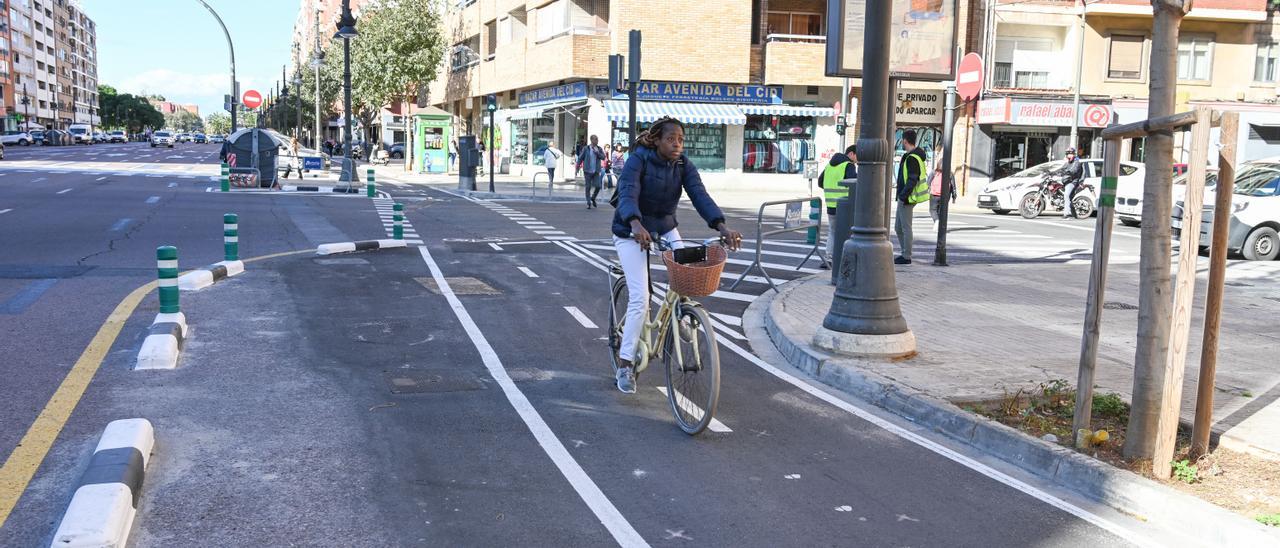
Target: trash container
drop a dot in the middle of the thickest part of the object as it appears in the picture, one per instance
(468, 161)
(258, 149)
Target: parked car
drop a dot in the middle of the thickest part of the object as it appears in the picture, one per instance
(199, 138)
(57, 137)
(1003, 195)
(16, 138)
(81, 134)
(37, 137)
(162, 138)
(1129, 196)
(396, 150)
(1254, 229)
(217, 138)
(1, 151)
(117, 136)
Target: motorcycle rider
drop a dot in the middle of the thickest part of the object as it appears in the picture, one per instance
(1074, 172)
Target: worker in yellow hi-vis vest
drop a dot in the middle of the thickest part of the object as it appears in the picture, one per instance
(842, 166)
(913, 188)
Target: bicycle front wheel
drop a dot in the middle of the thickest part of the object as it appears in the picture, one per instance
(617, 317)
(692, 358)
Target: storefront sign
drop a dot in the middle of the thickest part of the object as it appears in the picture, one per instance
(993, 111)
(566, 92)
(919, 106)
(738, 94)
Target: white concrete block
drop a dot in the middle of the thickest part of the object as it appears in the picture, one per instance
(99, 516)
(195, 280)
(330, 249)
(233, 267)
(158, 352)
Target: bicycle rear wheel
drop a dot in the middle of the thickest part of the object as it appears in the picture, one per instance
(692, 359)
(617, 317)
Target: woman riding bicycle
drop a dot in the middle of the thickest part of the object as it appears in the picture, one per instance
(649, 189)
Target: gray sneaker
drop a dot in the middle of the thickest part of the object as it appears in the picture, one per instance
(626, 380)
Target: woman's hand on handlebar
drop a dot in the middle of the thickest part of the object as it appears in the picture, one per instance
(640, 234)
(732, 239)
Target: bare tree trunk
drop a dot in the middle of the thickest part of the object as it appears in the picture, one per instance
(1155, 287)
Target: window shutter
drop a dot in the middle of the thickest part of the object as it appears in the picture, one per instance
(1126, 57)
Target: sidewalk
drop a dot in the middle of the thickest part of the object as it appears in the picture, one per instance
(984, 331)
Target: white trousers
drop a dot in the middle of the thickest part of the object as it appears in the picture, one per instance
(635, 265)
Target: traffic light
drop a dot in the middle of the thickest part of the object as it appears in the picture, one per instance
(491, 102)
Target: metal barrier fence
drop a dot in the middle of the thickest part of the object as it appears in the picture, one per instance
(794, 220)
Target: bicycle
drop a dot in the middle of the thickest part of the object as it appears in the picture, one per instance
(687, 338)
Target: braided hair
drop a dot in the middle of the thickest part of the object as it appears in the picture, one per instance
(650, 137)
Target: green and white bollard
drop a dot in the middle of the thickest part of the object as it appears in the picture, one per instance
(815, 211)
(231, 236)
(226, 177)
(398, 217)
(369, 189)
(167, 274)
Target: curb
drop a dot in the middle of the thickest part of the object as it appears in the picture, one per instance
(163, 343)
(526, 197)
(104, 505)
(313, 188)
(365, 245)
(199, 279)
(1129, 493)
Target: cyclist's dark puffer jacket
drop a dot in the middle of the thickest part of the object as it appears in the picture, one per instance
(654, 199)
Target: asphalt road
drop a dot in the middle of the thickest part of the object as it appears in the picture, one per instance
(346, 401)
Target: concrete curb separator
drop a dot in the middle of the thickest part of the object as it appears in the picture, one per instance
(311, 188)
(163, 343)
(365, 245)
(102, 510)
(209, 275)
(1120, 489)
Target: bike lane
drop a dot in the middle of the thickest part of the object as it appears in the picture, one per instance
(794, 470)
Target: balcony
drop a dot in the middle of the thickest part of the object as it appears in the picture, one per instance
(793, 59)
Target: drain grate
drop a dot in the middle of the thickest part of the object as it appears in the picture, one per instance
(462, 285)
(1113, 305)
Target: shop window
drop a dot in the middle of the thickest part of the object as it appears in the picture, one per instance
(543, 132)
(1124, 61)
(1195, 57)
(704, 144)
(778, 144)
(520, 142)
(796, 23)
(1266, 61)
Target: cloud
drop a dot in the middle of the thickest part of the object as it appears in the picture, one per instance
(206, 89)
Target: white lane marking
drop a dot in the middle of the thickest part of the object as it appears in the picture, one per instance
(153, 199)
(1092, 224)
(578, 315)
(171, 185)
(964, 460)
(100, 178)
(120, 224)
(496, 247)
(3, 211)
(38, 179)
(692, 408)
(622, 531)
(727, 319)
(527, 272)
(63, 191)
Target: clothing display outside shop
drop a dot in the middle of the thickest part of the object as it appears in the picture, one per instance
(704, 144)
(778, 144)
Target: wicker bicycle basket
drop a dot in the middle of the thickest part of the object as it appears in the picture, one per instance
(696, 279)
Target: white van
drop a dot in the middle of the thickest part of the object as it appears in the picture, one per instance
(82, 133)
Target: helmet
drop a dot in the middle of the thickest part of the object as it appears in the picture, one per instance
(1071, 151)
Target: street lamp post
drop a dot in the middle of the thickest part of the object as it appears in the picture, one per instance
(284, 98)
(235, 93)
(865, 316)
(317, 59)
(297, 104)
(346, 31)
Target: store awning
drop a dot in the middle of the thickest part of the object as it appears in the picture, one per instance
(689, 113)
(538, 111)
(788, 110)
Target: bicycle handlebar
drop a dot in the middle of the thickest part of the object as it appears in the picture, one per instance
(665, 245)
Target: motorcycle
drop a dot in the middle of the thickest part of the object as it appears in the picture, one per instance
(1049, 194)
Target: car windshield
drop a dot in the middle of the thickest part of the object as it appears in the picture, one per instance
(162, 134)
(1258, 180)
(1210, 179)
(77, 130)
(1039, 170)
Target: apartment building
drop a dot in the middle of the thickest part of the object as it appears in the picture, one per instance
(51, 63)
(1228, 54)
(7, 75)
(747, 79)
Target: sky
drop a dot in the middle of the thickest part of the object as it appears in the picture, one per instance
(175, 48)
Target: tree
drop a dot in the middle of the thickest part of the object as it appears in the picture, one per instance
(127, 111)
(399, 49)
(183, 120)
(218, 123)
(1155, 287)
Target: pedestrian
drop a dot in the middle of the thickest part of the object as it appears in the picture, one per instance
(913, 188)
(842, 166)
(453, 154)
(551, 156)
(1074, 172)
(577, 156)
(592, 162)
(935, 195)
(295, 162)
(225, 150)
(617, 159)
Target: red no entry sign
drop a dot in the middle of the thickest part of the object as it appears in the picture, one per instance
(969, 76)
(251, 99)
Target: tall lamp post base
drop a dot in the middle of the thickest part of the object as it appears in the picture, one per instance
(865, 346)
(348, 171)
